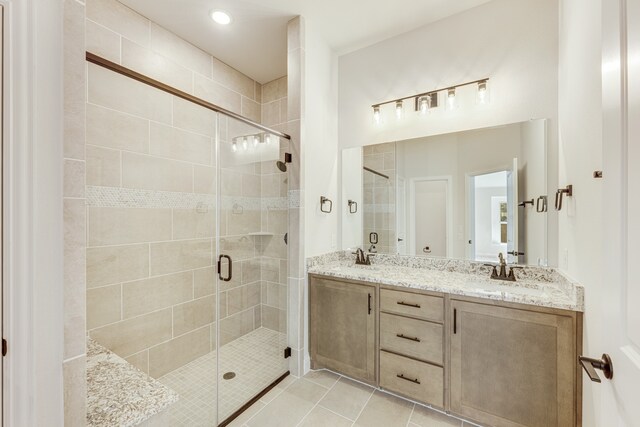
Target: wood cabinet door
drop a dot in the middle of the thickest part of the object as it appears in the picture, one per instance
(512, 367)
(342, 327)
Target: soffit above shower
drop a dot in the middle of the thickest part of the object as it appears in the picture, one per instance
(255, 42)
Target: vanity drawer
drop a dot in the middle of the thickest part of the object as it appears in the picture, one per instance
(416, 380)
(412, 337)
(418, 305)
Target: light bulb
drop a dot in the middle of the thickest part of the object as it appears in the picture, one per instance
(376, 114)
(234, 147)
(399, 109)
(451, 99)
(256, 139)
(267, 138)
(483, 93)
(424, 105)
(244, 143)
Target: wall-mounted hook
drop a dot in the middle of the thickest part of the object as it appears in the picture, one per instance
(324, 200)
(560, 193)
(525, 203)
(353, 206)
(541, 204)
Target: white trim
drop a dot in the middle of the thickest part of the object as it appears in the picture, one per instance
(33, 303)
(412, 214)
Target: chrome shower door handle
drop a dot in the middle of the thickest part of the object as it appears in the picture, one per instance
(228, 278)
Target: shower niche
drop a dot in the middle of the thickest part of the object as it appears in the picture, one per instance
(187, 261)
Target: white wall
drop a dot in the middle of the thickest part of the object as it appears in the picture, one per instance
(580, 151)
(351, 189)
(320, 142)
(514, 43)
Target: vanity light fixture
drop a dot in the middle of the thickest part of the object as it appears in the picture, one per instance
(244, 143)
(399, 110)
(256, 139)
(234, 147)
(426, 101)
(451, 99)
(483, 92)
(267, 138)
(376, 114)
(220, 17)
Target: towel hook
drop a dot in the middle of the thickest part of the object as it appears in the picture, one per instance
(353, 206)
(324, 200)
(561, 192)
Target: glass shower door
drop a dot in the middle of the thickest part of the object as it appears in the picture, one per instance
(252, 281)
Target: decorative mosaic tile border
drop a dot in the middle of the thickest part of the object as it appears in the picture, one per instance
(118, 197)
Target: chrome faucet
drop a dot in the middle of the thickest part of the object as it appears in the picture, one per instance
(511, 277)
(361, 259)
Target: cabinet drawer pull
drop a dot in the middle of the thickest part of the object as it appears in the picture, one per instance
(416, 339)
(408, 304)
(401, 376)
(369, 304)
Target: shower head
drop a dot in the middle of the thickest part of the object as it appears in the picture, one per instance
(283, 165)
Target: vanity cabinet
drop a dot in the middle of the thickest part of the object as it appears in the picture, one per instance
(514, 367)
(342, 327)
(496, 363)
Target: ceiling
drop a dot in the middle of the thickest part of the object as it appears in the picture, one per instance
(255, 42)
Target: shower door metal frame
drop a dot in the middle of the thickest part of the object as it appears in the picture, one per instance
(105, 63)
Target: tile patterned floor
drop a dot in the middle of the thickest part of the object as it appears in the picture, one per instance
(325, 399)
(255, 358)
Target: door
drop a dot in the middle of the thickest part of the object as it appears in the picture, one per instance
(342, 327)
(512, 367)
(252, 286)
(401, 214)
(512, 213)
(620, 292)
(429, 218)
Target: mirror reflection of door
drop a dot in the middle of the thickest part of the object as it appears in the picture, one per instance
(401, 215)
(490, 222)
(429, 219)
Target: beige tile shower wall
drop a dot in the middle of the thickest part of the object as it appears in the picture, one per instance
(274, 183)
(74, 215)
(380, 196)
(150, 223)
(121, 35)
(151, 216)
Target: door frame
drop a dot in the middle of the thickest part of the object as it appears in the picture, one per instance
(32, 315)
(469, 207)
(449, 210)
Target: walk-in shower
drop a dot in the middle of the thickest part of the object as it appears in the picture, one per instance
(187, 260)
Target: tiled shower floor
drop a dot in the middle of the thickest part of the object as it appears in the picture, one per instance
(257, 360)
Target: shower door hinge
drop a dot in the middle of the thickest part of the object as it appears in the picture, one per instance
(287, 352)
(4, 347)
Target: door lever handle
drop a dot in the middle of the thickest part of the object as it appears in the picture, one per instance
(590, 365)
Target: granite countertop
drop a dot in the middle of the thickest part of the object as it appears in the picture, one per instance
(537, 286)
(119, 394)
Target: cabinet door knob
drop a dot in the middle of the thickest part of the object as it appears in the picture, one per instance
(590, 365)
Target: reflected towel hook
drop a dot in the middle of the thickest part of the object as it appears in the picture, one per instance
(324, 200)
(353, 206)
(541, 204)
(525, 203)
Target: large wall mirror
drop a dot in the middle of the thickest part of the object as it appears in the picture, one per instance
(466, 195)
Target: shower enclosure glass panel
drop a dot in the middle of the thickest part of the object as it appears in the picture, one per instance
(252, 284)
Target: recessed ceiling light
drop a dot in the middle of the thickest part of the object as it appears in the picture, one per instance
(221, 17)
